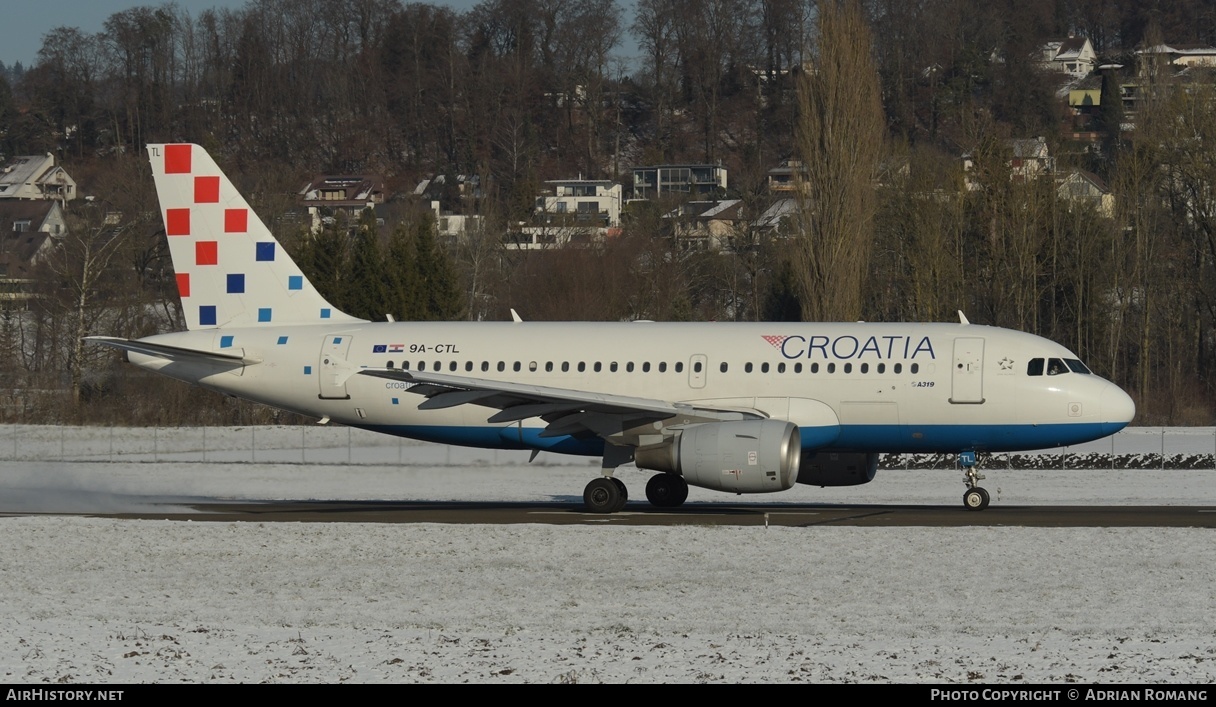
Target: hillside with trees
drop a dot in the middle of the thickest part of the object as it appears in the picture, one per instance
(908, 122)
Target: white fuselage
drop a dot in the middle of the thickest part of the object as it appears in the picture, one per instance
(849, 386)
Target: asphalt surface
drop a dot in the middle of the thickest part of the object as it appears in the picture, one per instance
(642, 514)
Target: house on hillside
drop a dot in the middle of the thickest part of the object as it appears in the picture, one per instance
(1080, 186)
(1182, 54)
(451, 190)
(571, 211)
(591, 203)
(36, 177)
(783, 179)
(1084, 109)
(29, 231)
(687, 181)
(1029, 158)
(1074, 56)
(25, 216)
(708, 225)
(779, 220)
(453, 229)
(327, 197)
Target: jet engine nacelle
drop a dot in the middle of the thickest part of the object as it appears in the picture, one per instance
(837, 468)
(747, 456)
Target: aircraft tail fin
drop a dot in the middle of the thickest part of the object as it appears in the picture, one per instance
(231, 272)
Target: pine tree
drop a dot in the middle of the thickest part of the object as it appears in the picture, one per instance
(404, 292)
(434, 273)
(322, 259)
(365, 288)
(8, 117)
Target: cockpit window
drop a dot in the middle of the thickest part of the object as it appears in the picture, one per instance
(1056, 366)
(1076, 366)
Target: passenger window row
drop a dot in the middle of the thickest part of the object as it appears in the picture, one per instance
(661, 367)
(828, 368)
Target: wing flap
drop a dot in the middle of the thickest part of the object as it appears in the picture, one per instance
(515, 413)
(447, 398)
(567, 412)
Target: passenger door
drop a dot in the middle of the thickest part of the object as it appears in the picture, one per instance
(967, 373)
(332, 367)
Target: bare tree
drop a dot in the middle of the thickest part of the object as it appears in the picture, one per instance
(87, 293)
(839, 137)
(921, 274)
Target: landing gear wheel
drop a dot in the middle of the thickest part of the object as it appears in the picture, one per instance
(666, 490)
(604, 495)
(976, 499)
(624, 491)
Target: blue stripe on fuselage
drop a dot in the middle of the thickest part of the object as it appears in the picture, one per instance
(959, 438)
(870, 438)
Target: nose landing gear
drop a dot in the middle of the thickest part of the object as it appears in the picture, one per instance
(975, 498)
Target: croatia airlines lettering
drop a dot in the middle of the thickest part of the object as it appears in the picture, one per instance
(852, 347)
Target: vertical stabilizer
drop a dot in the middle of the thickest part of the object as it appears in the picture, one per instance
(231, 272)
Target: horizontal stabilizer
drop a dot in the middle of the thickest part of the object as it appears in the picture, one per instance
(174, 353)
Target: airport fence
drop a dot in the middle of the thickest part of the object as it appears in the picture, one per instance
(329, 444)
(1133, 448)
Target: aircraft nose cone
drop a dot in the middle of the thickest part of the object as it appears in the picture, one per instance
(1117, 407)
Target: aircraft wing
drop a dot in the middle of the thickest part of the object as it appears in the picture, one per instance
(174, 353)
(568, 412)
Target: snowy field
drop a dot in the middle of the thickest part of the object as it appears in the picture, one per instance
(107, 601)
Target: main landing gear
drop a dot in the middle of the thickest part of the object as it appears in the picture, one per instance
(666, 490)
(607, 494)
(975, 498)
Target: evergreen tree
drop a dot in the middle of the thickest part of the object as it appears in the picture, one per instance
(365, 287)
(403, 290)
(781, 303)
(322, 260)
(8, 116)
(434, 274)
(1110, 113)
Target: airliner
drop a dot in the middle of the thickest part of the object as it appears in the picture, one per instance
(735, 407)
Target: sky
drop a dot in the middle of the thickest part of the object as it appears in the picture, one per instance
(109, 601)
(23, 24)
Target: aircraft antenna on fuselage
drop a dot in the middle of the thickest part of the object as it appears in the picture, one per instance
(515, 316)
(962, 318)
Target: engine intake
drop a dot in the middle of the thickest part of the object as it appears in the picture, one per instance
(748, 456)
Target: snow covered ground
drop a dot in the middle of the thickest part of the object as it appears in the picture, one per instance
(112, 601)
